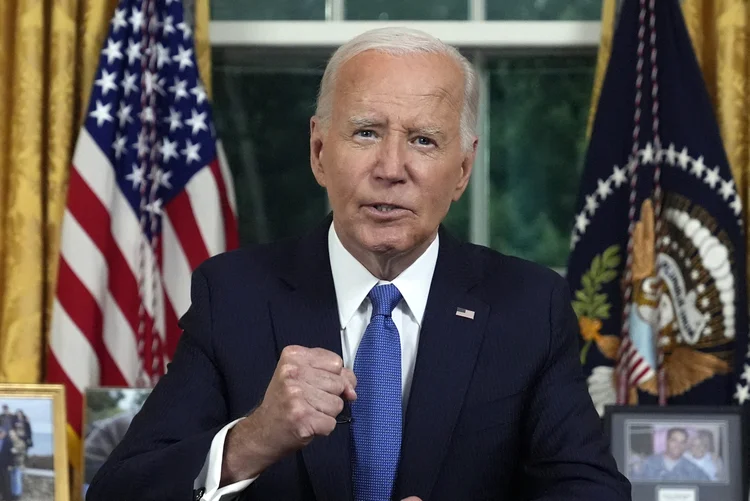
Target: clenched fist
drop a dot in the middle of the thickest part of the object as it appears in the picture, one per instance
(302, 400)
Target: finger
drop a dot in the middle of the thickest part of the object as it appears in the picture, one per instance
(351, 380)
(324, 380)
(412, 498)
(330, 405)
(319, 358)
(323, 425)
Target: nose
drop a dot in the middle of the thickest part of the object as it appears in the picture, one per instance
(391, 165)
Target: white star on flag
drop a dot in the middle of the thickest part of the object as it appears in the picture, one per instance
(742, 394)
(162, 56)
(119, 145)
(134, 51)
(712, 177)
(698, 166)
(107, 81)
(119, 20)
(618, 176)
(746, 374)
(647, 155)
(136, 177)
(727, 189)
(603, 188)
(136, 20)
(101, 113)
(168, 149)
(186, 31)
(671, 154)
(154, 207)
(197, 121)
(199, 92)
(179, 88)
(168, 26)
(123, 114)
(191, 152)
(582, 222)
(591, 204)
(112, 51)
(683, 159)
(174, 120)
(185, 57)
(128, 84)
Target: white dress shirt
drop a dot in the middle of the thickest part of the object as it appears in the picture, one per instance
(352, 282)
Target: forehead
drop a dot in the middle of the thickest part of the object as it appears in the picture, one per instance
(410, 84)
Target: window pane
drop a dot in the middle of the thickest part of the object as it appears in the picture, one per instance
(286, 10)
(538, 113)
(416, 10)
(262, 116)
(551, 10)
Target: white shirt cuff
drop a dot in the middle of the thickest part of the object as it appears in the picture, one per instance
(210, 476)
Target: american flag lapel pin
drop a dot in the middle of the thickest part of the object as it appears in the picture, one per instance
(463, 312)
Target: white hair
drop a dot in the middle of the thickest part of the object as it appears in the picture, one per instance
(399, 42)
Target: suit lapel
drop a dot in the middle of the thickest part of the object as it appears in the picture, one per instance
(447, 352)
(307, 315)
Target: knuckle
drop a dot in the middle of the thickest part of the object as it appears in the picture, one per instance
(289, 371)
(292, 351)
(297, 412)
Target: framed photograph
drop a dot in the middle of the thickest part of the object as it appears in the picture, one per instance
(33, 443)
(680, 453)
(107, 416)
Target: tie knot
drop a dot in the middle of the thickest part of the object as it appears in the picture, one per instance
(384, 299)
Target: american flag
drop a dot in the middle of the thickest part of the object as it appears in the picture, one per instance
(150, 197)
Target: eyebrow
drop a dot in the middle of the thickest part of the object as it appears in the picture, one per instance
(364, 121)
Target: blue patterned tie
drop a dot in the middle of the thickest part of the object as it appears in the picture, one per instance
(376, 414)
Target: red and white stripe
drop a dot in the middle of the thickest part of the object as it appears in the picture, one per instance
(95, 317)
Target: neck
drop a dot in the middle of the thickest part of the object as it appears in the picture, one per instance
(385, 265)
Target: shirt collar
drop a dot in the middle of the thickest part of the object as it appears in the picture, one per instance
(353, 282)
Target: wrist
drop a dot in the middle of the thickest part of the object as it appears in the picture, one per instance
(246, 452)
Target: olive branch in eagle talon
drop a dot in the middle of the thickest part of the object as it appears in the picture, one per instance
(591, 305)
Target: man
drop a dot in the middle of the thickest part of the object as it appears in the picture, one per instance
(7, 419)
(672, 466)
(701, 453)
(377, 357)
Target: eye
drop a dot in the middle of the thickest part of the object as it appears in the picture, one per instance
(424, 141)
(365, 133)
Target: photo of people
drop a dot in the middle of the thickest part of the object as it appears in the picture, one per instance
(109, 412)
(26, 450)
(673, 452)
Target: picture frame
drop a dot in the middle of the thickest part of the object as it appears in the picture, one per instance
(33, 443)
(680, 453)
(107, 414)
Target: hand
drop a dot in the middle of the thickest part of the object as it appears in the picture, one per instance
(412, 498)
(305, 395)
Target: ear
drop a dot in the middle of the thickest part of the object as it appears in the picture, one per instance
(466, 166)
(317, 135)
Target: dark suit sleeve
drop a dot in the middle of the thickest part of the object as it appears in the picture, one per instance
(568, 457)
(166, 445)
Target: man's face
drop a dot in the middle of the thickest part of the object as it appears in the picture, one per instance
(698, 447)
(676, 444)
(391, 157)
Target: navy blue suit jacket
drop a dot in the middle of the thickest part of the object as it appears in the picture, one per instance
(498, 410)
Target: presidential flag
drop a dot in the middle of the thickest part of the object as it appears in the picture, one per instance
(657, 265)
(150, 197)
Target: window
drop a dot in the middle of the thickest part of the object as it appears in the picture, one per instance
(536, 78)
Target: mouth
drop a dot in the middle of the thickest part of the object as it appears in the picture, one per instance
(385, 211)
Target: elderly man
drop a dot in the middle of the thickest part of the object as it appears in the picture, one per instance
(377, 357)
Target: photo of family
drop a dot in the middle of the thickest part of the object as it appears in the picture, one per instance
(676, 452)
(26, 450)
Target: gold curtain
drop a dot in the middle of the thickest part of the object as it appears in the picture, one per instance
(48, 58)
(719, 32)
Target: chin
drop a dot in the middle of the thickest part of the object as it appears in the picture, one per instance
(386, 240)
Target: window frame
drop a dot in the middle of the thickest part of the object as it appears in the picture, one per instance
(476, 37)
